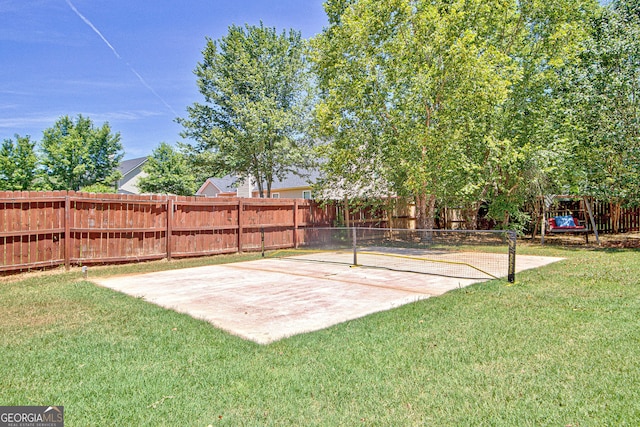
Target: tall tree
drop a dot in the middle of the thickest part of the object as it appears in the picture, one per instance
(426, 93)
(603, 100)
(253, 121)
(168, 172)
(547, 40)
(76, 154)
(18, 164)
(409, 90)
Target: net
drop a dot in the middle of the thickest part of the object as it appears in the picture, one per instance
(468, 254)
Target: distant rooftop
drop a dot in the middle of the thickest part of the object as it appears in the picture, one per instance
(127, 166)
(226, 184)
(229, 183)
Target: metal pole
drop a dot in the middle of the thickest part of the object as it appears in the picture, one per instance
(355, 245)
(512, 256)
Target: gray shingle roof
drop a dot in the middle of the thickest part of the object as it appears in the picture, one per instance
(229, 183)
(226, 184)
(291, 180)
(127, 166)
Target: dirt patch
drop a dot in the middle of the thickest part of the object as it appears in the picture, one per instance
(617, 241)
(621, 241)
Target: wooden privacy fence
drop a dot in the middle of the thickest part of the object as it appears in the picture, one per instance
(615, 219)
(47, 229)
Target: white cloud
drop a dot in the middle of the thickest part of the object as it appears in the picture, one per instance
(45, 120)
(27, 122)
(123, 116)
(101, 84)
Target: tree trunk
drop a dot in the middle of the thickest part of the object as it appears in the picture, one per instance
(505, 220)
(470, 215)
(346, 212)
(260, 188)
(426, 211)
(616, 214)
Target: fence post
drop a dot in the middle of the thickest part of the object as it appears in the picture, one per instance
(240, 209)
(67, 232)
(169, 231)
(295, 223)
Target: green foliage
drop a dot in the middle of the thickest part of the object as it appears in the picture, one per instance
(536, 158)
(99, 188)
(18, 164)
(370, 74)
(168, 172)
(75, 154)
(602, 101)
(435, 96)
(257, 91)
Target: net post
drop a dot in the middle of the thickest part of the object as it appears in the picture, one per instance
(355, 245)
(262, 240)
(511, 235)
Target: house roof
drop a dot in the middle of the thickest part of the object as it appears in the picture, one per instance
(304, 178)
(229, 183)
(332, 189)
(127, 166)
(225, 184)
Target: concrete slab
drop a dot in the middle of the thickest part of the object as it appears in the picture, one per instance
(270, 299)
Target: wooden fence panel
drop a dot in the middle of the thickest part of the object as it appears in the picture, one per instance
(113, 228)
(270, 222)
(31, 229)
(46, 229)
(602, 217)
(316, 215)
(204, 227)
(629, 219)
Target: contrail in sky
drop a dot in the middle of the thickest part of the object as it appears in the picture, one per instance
(115, 52)
(86, 21)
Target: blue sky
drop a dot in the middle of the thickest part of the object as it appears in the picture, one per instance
(126, 62)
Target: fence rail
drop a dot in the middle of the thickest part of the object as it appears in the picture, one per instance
(48, 229)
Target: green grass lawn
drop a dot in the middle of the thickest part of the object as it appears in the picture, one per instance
(561, 347)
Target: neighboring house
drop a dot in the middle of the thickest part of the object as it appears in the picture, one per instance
(218, 187)
(292, 186)
(402, 215)
(131, 171)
